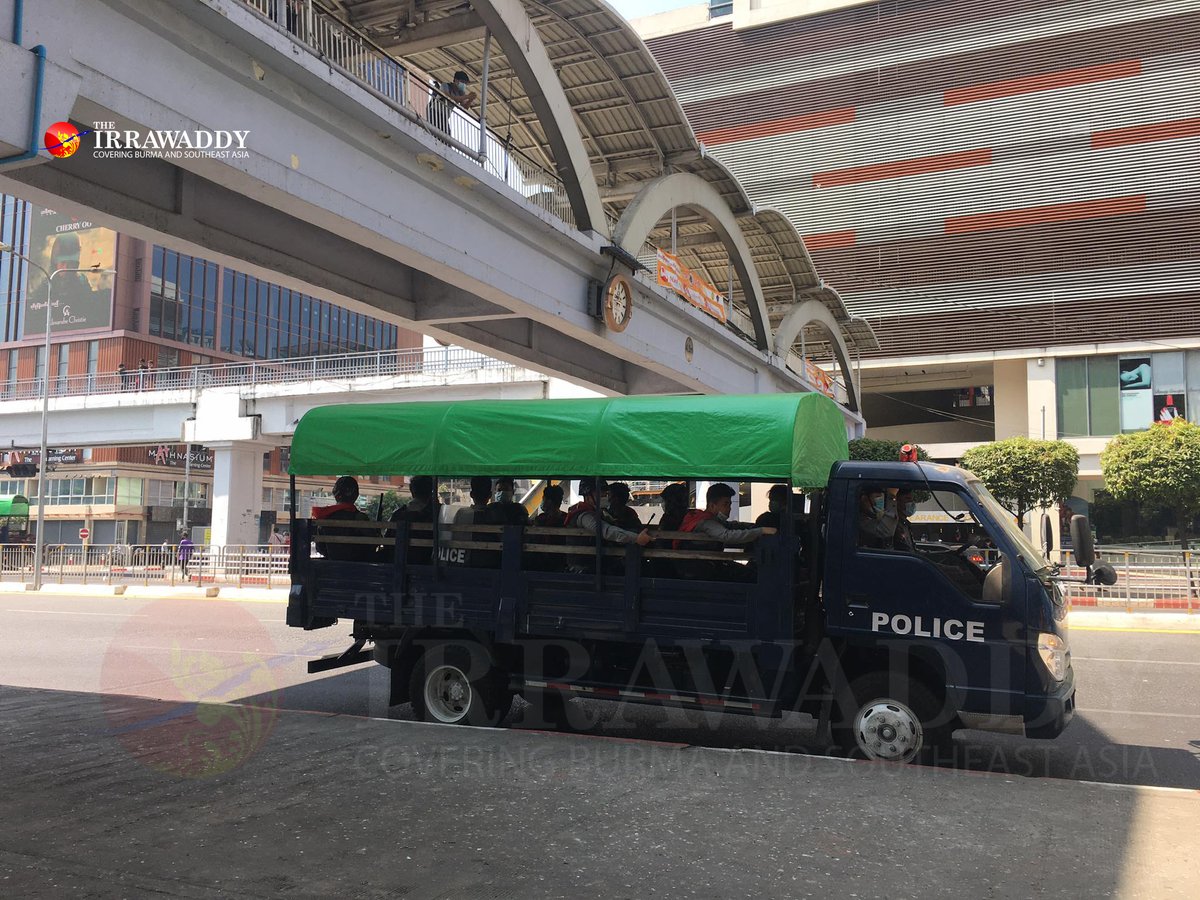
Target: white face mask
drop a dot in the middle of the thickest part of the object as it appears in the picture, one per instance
(604, 503)
(721, 517)
(503, 496)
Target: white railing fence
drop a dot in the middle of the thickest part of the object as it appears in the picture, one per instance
(413, 93)
(433, 362)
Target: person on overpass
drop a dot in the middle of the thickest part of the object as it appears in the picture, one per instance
(345, 493)
(443, 94)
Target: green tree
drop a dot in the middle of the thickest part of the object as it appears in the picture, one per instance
(1159, 468)
(869, 450)
(1024, 474)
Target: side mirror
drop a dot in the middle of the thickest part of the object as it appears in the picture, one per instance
(1104, 574)
(1047, 534)
(997, 586)
(1081, 538)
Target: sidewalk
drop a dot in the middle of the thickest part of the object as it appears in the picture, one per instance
(150, 592)
(118, 796)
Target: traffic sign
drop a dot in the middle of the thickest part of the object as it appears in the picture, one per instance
(84, 534)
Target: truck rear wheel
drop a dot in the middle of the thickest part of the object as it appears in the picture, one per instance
(895, 719)
(456, 684)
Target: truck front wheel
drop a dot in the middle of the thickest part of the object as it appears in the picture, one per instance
(895, 719)
(456, 684)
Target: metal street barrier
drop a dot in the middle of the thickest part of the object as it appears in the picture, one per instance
(232, 565)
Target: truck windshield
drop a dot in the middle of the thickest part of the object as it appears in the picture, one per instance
(1004, 518)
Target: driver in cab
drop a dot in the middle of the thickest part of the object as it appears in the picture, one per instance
(878, 517)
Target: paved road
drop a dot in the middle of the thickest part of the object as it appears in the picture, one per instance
(1138, 721)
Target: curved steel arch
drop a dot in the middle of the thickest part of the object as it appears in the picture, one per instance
(813, 312)
(664, 194)
(522, 45)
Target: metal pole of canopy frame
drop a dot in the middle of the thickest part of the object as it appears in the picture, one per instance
(435, 537)
(483, 95)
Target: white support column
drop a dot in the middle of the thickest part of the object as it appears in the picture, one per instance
(237, 491)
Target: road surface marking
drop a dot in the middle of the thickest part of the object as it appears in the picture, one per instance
(61, 612)
(1139, 712)
(1158, 662)
(1136, 630)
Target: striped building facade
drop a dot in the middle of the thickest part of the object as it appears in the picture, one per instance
(1001, 190)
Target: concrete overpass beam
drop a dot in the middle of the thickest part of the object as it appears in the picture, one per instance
(439, 303)
(456, 29)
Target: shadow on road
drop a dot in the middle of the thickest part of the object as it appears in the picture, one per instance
(1082, 753)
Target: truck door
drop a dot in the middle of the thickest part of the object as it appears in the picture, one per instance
(916, 580)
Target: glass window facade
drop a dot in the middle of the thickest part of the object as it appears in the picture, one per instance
(1107, 395)
(267, 321)
(80, 491)
(183, 298)
(254, 318)
(14, 231)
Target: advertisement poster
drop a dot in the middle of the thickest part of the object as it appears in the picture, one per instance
(691, 287)
(1137, 401)
(1169, 407)
(78, 300)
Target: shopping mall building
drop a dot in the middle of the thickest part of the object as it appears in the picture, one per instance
(1009, 193)
(169, 311)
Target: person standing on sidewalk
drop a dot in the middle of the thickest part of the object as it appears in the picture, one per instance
(186, 549)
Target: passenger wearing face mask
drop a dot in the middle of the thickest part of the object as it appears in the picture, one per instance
(906, 505)
(712, 520)
(777, 499)
(877, 518)
(504, 509)
(595, 501)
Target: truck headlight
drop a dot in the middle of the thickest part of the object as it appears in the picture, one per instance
(1055, 654)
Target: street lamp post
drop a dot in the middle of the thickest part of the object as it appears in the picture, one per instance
(40, 537)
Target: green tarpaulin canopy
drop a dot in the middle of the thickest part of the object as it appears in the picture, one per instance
(763, 437)
(13, 505)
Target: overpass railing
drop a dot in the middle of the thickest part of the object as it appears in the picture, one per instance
(415, 95)
(437, 362)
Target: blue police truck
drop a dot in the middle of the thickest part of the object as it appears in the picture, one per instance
(892, 641)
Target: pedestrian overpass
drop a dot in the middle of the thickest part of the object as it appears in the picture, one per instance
(518, 227)
(241, 410)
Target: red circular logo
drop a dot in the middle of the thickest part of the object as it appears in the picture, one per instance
(62, 139)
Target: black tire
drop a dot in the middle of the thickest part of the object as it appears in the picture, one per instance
(895, 718)
(456, 684)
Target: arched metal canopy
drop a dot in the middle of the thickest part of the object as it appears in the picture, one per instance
(633, 131)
